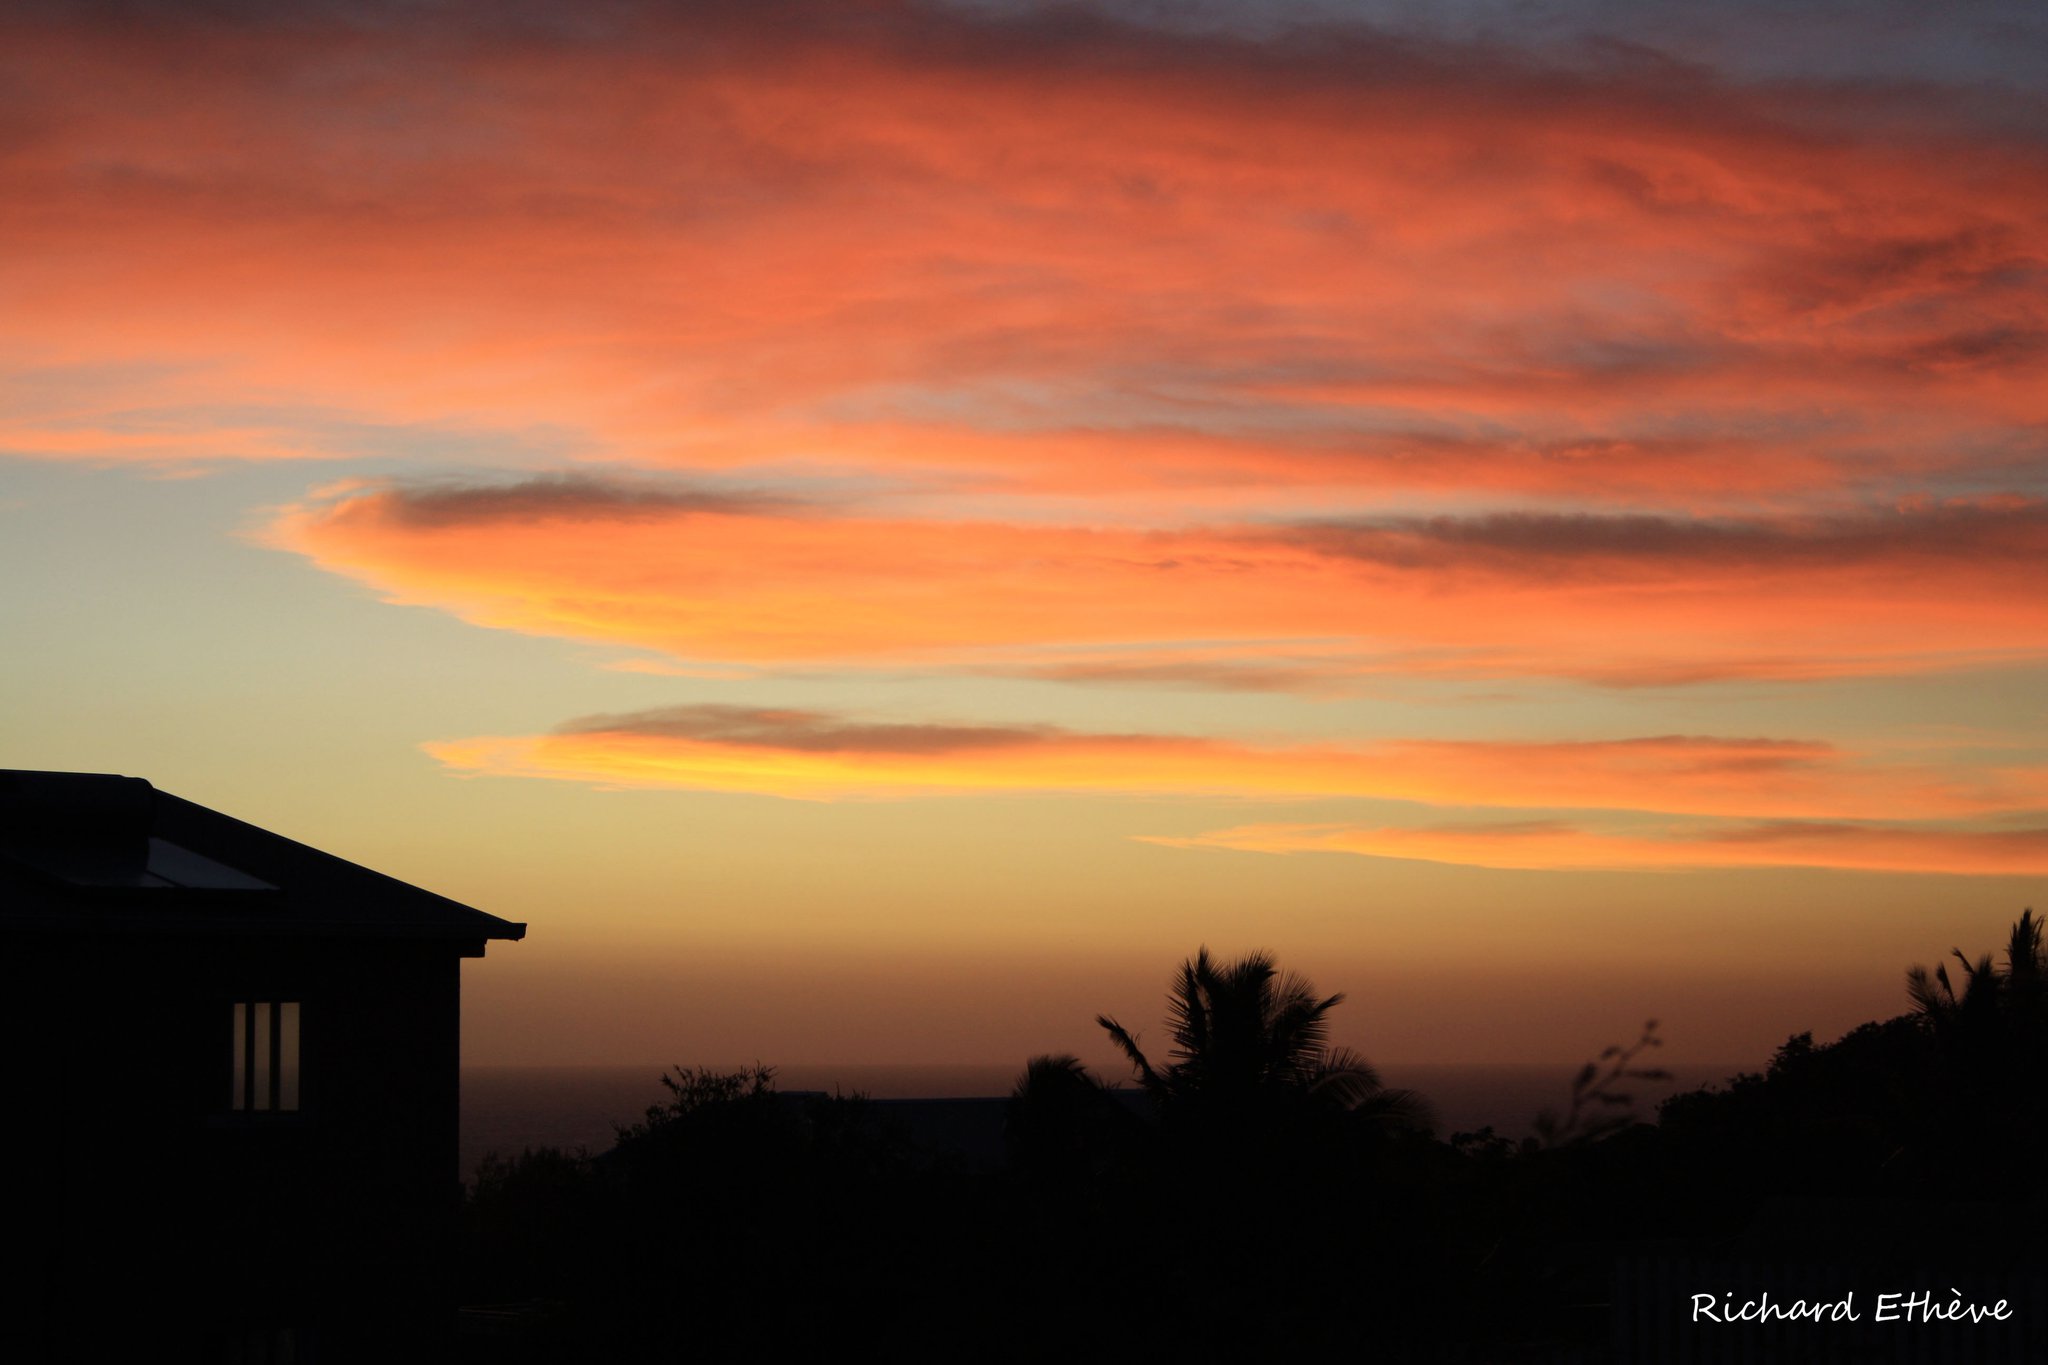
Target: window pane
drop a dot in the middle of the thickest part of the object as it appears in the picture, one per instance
(288, 1055)
(240, 1049)
(259, 1055)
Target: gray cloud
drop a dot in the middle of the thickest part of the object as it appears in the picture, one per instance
(1201, 675)
(1779, 831)
(814, 732)
(2017, 530)
(565, 497)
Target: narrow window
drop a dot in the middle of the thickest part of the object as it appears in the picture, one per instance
(265, 1047)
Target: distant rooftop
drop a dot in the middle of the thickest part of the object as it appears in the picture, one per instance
(99, 853)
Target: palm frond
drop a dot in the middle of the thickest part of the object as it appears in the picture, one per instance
(1981, 982)
(1390, 1111)
(1189, 1007)
(1150, 1079)
(1929, 1001)
(2026, 960)
(1052, 1072)
(1299, 1029)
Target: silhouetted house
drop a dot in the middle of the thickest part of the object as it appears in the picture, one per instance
(231, 1069)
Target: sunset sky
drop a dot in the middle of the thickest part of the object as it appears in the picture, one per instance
(879, 527)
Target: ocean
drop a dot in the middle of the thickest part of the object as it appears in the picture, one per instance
(507, 1109)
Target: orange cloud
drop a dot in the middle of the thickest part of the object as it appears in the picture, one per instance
(747, 579)
(822, 756)
(1558, 846)
(1053, 252)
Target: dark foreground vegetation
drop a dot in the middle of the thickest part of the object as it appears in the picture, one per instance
(1260, 1194)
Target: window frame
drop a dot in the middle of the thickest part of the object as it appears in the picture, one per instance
(265, 1043)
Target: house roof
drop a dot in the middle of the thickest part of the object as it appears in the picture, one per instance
(98, 853)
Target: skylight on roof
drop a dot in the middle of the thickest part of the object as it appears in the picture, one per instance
(113, 865)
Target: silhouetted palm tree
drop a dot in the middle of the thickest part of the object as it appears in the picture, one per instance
(2016, 996)
(1991, 1038)
(1936, 1001)
(2026, 968)
(1063, 1121)
(1247, 1038)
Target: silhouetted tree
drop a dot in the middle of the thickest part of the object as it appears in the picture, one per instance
(1947, 1102)
(1599, 1107)
(2018, 996)
(524, 1220)
(1249, 1040)
(1281, 1171)
(1990, 1045)
(2026, 970)
(1063, 1123)
(1946, 1012)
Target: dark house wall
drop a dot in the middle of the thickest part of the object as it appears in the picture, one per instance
(157, 1218)
(150, 1208)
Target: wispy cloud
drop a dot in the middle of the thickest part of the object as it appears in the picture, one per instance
(1563, 846)
(1628, 600)
(809, 754)
(808, 732)
(551, 498)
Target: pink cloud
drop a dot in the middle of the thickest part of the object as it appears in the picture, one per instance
(1064, 255)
